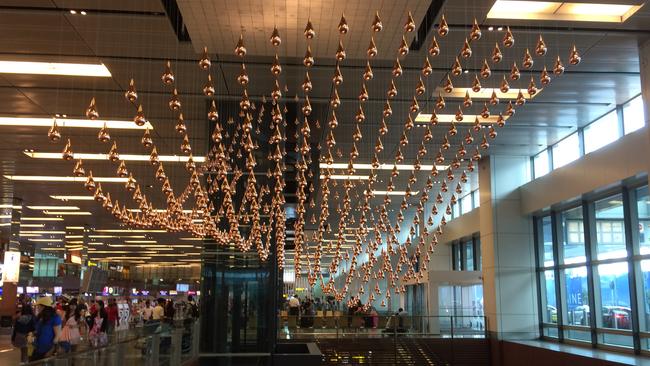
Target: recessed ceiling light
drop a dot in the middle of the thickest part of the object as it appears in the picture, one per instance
(490, 28)
(71, 122)
(73, 11)
(500, 29)
(45, 178)
(125, 157)
(566, 11)
(83, 12)
(53, 68)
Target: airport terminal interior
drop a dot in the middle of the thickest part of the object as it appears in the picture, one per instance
(324, 182)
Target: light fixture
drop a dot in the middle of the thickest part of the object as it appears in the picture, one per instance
(46, 178)
(71, 122)
(73, 198)
(448, 118)
(60, 208)
(490, 28)
(41, 219)
(31, 225)
(126, 157)
(68, 213)
(47, 240)
(11, 206)
(129, 231)
(141, 241)
(393, 193)
(83, 12)
(47, 232)
(484, 93)
(345, 177)
(384, 166)
(566, 11)
(74, 228)
(500, 29)
(53, 68)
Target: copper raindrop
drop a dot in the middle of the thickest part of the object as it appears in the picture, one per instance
(475, 33)
(497, 56)
(54, 134)
(131, 95)
(558, 68)
(167, 76)
(508, 38)
(204, 62)
(376, 24)
(91, 111)
(540, 48)
(443, 27)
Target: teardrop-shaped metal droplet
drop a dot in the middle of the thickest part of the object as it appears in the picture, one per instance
(242, 78)
(79, 170)
(497, 56)
(139, 118)
(426, 68)
(574, 56)
(476, 84)
(558, 68)
(204, 62)
(466, 51)
(167, 76)
(485, 112)
(514, 71)
(545, 78)
(363, 94)
(337, 79)
(505, 87)
(306, 84)
(521, 99)
(146, 138)
(467, 101)
(340, 51)
(54, 134)
(409, 26)
(67, 153)
(367, 74)
(475, 33)
(510, 110)
(392, 90)
(508, 38)
(213, 114)
(397, 68)
(103, 135)
(175, 102)
(186, 148)
(276, 69)
(208, 88)
(456, 68)
(113, 154)
(91, 111)
(440, 102)
(335, 101)
(494, 99)
(540, 48)
(377, 26)
(448, 86)
(485, 70)
(443, 27)
(527, 63)
(403, 47)
(309, 32)
(532, 88)
(275, 37)
(131, 94)
(420, 88)
(459, 114)
(343, 25)
(372, 48)
(90, 182)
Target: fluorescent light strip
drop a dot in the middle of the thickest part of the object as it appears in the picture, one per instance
(467, 118)
(54, 68)
(155, 210)
(74, 227)
(68, 213)
(129, 231)
(11, 206)
(126, 157)
(60, 208)
(73, 198)
(71, 122)
(393, 193)
(48, 240)
(345, 177)
(116, 236)
(567, 11)
(46, 178)
(484, 93)
(141, 241)
(384, 166)
(41, 219)
(46, 232)
(31, 225)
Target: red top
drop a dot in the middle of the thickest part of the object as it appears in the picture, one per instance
(112, 314)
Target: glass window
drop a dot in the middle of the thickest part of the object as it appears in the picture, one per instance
(644, 301)
(573, 236)
(643, 212)
(466, 204)
(547, 238)
(576, 301)
(566, 151)
(614, 296)
(601, 132)
(468, 247)
(610, 228)
(456, 257)
(541, 164)
(476, 198)
(633, 115)
(549, 302)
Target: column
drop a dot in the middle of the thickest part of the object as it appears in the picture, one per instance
(507, 246)
(644, 66)
(10, 212)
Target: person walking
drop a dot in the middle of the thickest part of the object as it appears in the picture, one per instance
(24, 325)
(47, 329)
(97, 333)
(70, 334)
(113, 318)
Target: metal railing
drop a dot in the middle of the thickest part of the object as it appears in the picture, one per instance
(338, 325)
(152, 344)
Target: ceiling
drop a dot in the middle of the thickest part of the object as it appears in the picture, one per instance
(135, 38)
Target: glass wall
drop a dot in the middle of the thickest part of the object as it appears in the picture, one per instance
(594, 271)
(625, 118)
(466, 254)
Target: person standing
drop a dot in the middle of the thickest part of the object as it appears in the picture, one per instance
(147, 312)
(24, 325)
(70, 334)
(294, 305)
(97, 333)
(47, 329)
(113, 318)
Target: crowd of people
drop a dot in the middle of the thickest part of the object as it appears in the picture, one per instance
(45, 327)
